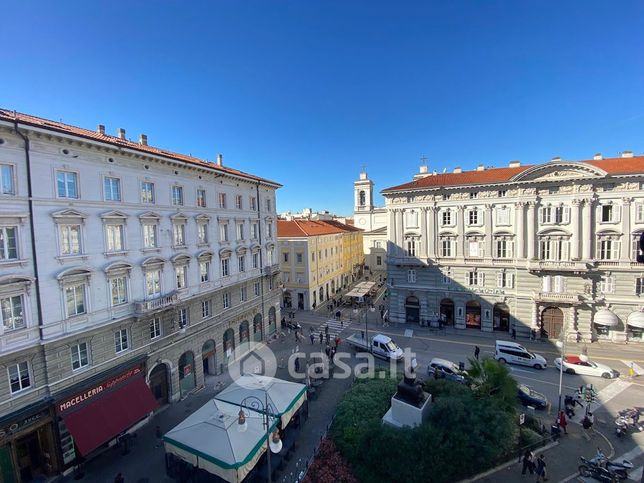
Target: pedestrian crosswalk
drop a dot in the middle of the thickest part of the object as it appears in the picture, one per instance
(603, 396)
(335, 327)
(636, 368)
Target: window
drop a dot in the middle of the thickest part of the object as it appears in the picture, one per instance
(11, 311)
(202, 233)
(607, 284)
(112, 189)
(183, 318)
(149, 235)
(177, 195)
(446, 276)
(268, 204)
(6, 180)
(475, 278)
(8, 243)
(75, 299)
(446, 218)
(223, 232)
(120, 340)
(118, 290)
(222, 200)
(378, 260)
(608, 249)
(152, 283)
(70, 239)
(411, 276)
(201, 198)
(253, 203)
(285, 255)
(80, 358)
(243, 295)
(204, 271)
(241, 263)
(448, 247)
(240, 231)
(256, 289)
(67, 184)
(475, 247)
(114, 235)
(155, 328)
(502, 193)
(505, 280)
(411, 246)
(474, 195)
(225, 269)
(503, 248)
(256, 260)
(635, 246)
(298, 258)
(377, 244)
(270, 284)
(552, 284)
(19, 378)
(639, 286)
(411, 219)
(226, 300)
(503, 216)
(181, 276)
(238, 202)
(255, 231)
(473, 217)
(639, 213)
(269, 229)
(179, 234)
(607, 213)
(147, 192)
(553, 249)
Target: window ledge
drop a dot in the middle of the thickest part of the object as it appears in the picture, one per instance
(151, 249)
(120, 253)
(65, 258)
(14, 262)
(203, 244)
(179, 247)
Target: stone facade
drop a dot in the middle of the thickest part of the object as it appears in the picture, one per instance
(373, 220)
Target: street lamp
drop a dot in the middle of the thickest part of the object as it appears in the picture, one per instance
(273, 442)
(371, 308)
(561, 344)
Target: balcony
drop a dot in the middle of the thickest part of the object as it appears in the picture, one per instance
(568, 298)
(407, 261)
(272, 269)
(557, 266)
(147, 306)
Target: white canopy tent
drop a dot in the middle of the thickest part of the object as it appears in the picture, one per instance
(361, 289)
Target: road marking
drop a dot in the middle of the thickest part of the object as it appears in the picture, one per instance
(513, 369)
(409, 333)
(629, 455)
(605, 395)
(638, 370)
(545, 382)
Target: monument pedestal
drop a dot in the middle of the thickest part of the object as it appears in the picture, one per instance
(403, 413)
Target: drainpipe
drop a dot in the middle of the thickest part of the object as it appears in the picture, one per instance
(31, 226)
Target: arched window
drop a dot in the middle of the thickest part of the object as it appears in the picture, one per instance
(362, 196)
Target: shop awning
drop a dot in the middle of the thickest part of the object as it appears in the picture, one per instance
(606, 318)
(636, 319)
(104, 419)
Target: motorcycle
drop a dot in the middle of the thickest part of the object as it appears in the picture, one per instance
(627, 421)
(591, 470)
(620, 469)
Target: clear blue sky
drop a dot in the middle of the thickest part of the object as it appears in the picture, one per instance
(305, 92)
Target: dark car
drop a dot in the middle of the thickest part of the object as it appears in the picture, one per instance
(530, 397)
(444, 369)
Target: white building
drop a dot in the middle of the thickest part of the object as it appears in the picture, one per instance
(373, 221)
(148, 268)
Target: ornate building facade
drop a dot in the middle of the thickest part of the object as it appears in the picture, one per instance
(550, 247)
(373, 220)
(127, 273)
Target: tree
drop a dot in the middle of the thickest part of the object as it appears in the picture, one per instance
(489, 378)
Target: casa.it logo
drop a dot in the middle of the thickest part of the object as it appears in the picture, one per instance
(251, 358)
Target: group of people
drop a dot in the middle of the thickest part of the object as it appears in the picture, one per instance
(534, 465)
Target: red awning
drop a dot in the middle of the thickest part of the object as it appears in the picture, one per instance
(104, 419)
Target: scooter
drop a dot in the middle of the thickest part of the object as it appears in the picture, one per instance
(620, 469)
(627, 421)
(588, 469)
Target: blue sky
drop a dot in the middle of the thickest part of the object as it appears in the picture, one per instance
(306, 92)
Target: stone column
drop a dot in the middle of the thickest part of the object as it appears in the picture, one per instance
(587, 232)
(460, 231)
(531, 229)
(535, 315)
(489, 228)
(625, 254)
(520, 228)
(431, 232)
(575, 228)
(424, 239)
(391, 232)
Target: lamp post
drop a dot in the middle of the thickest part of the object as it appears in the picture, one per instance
(561, 344)
(273, 442)
(371, 308)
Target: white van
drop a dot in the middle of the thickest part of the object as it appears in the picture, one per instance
(513, 353)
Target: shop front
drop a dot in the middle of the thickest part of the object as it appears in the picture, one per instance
(100, 411)
(28, 445)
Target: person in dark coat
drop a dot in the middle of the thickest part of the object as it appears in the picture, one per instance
(528, 462)
(541, 469)
(477, 351)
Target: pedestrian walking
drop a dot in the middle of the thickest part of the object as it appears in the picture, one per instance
(326, 329)
(297, 364)
(321, 337)
(528, 462)
(341, 324)
(477, 351)
(119, 478)
(337, 340)
(631, 371)
(562, 421)
(312, 338)
(587, 424)
(514, 333)
(327, 350)
(541, 469)
(533, 334)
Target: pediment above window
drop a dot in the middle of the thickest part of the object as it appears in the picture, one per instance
(149, 215)
(559, 170)
(241, 250)
(153, 262)
(255, 247)
(225, 252)
(74, 273)
(114, 215)
(15, 279)
(205, 254)
(201, 218)
(608, 232)
(68, 215)
(117, 267)
(552, 232)
(179, 217)
(180, 259)
(270, 245)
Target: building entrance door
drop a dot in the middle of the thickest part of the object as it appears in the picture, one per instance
(551, 322)
(412, 310)
(159, 383)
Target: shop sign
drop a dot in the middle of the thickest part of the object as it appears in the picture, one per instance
(480, 290)
(92, 392)
(187, 369)
(21, 424)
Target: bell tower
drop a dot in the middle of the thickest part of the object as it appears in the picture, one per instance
(363, 193)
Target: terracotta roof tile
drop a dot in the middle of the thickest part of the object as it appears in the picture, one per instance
(302, 228)
(26, 119)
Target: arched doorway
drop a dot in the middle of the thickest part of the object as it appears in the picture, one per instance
(187, 376)
(159, 383)
(209, 357)
(229, 344)
(244, 336)
(551, 322)
(272, 320)
(447, 311)
(473, 314)
(321, 294)
(257, 328)
(412, 310)
(288, 300)
(501, 317)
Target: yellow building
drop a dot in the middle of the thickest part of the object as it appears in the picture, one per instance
(318, 259)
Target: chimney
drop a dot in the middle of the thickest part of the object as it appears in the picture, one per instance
(220, 160)
(556, 158)
(627, 154)
(434, 173)
(480, 167)
(143, 139)
(121, 133)
(100, 129)
(423, 169)
(515, 163)
(598, 156)
(458, 170)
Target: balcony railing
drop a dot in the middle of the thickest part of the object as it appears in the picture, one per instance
(272, 269)
(558, 265)
(555, 297)
(145, 306)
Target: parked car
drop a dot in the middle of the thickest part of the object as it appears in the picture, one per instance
(514, 353)
(445, 369)
(379, 345)
(530, 397)
(583, 365)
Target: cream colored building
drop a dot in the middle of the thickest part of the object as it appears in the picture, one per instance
(550, 246)
(373, 220)
(318, 259)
